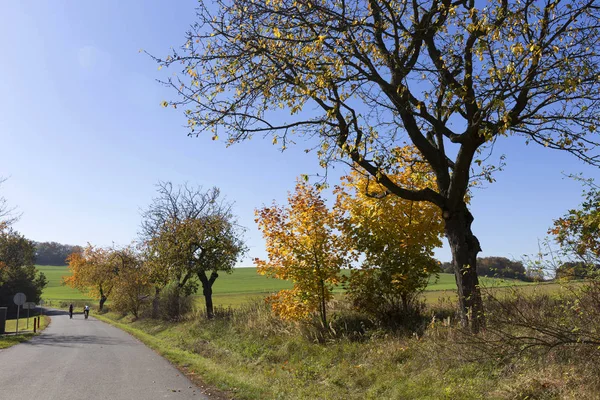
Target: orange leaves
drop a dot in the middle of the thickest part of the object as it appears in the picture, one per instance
(578, 232)
(93, 271)
(302, 247)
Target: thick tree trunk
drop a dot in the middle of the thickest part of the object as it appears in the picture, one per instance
(465, 246)
(102, 301)
(207, 284)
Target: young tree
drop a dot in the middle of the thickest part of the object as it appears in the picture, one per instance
(94, 271)
(394, 236)
(578, 232)
(132, 288)
(363, 77)
(190, 233)
(302, 247)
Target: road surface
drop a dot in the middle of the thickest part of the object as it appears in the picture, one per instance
(75, 359)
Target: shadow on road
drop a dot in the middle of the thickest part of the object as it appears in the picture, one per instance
(62, 340)
(52, 312)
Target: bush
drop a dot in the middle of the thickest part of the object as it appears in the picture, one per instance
(393, 301)
(564, 325)
(174, 303)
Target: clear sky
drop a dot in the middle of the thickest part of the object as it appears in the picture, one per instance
(84, 138)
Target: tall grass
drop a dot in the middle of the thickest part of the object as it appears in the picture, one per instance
(250, 354)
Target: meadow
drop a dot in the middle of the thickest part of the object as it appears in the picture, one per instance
(245, 284)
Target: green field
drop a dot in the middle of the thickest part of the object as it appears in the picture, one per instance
(54, 290)
(245, 284)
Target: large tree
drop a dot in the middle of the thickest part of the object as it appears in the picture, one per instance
(191, 233)
(17, 269)
(362, 77)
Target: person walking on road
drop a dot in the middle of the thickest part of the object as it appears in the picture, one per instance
(71, 311)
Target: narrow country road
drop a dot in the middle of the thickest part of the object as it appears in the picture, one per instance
(88, 359)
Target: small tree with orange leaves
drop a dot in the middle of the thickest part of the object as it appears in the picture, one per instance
(94, 271)
(304, 248)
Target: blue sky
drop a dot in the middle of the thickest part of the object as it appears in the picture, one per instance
(84, 138)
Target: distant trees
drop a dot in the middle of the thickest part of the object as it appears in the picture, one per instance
(190, 233)
(501, 267)
(496, 267)
(52, 253)
(303, 248)
(572, 270)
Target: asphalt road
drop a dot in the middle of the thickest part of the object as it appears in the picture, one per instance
(77, 359)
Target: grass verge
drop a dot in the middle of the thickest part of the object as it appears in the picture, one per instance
(9, 340)
(247, 353)
(245, 361)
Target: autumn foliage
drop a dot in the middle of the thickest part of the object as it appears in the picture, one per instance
(93, 271)
(393, 237)
(304, 248)
(578, 232)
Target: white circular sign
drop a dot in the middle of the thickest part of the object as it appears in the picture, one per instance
(29, 306)
(20, 299)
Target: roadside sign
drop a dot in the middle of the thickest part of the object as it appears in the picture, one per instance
(19, 299)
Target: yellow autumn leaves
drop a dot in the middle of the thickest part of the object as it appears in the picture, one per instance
(308, 244)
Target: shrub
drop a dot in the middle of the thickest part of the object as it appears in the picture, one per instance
(391, 299)
(174, 303)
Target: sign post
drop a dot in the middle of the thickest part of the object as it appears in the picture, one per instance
(28, 306)
(19, 300)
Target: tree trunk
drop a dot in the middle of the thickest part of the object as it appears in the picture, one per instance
(465, 246)
(207, 290)
(102, 301)
(155, 303)
(404, 298)
(176, 303)
(323, 305)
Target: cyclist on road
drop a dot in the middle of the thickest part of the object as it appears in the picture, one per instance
(71, 311)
